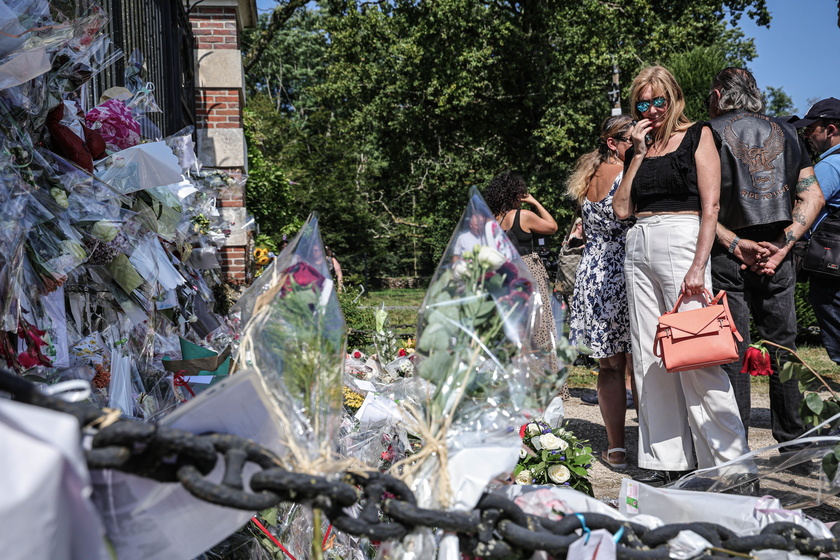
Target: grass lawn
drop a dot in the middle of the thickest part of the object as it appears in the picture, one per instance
(402, 306)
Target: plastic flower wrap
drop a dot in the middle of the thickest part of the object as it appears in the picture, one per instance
(472, 348)
(114, 121)
(553, 456)
(383, 336)
(801, 473)
(141, 167)
(295, 340)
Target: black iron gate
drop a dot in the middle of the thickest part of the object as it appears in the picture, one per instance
(160, 30)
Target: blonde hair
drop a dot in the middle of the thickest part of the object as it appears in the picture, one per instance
(663, 83)
(588, 164)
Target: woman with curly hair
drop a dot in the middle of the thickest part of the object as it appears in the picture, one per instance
(599, 319)
(505, 195)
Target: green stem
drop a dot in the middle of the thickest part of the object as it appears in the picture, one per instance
(317, 548)
(817, 375)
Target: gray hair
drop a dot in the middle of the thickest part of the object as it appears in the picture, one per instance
(738, 91)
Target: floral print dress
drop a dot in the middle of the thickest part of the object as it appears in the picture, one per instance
(599, 318)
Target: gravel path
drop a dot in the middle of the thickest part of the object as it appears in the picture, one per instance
(586, 423)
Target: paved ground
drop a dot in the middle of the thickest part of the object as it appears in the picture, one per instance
(585, 421)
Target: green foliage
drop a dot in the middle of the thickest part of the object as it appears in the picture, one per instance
(381, 116)
(778, 102)
(694, 70)
(263, 240)
(805, 316)
(359, 319)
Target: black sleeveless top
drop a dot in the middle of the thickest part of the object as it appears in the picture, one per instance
(668, 183)
(523, 241)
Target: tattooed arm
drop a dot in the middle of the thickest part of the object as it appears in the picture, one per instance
(809, 202)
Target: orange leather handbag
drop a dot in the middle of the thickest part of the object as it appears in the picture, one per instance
(697, 338)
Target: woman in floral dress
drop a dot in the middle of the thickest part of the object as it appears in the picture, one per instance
(599, 318)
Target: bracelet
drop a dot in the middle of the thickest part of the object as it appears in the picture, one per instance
(734, 244)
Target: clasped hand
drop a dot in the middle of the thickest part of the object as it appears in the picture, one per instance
(761, 257)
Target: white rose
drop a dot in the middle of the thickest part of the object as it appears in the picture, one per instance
(460, 269)
(559, 473)
(524, 477)
(490, 258)
(60, 197)
(533, 429)
(550, 441)
(522, 453)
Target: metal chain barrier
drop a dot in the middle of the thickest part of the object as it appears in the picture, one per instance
(496, 528)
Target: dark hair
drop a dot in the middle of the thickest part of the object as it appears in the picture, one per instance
(738, 91)
(505, 192)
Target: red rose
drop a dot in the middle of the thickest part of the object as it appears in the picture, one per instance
(402, 352)
(522, 430)
(757, 361)
(28, 360)
(357, 354)
(302, 274)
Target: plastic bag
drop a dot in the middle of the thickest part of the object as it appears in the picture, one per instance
(472, 347)
(295, 339)
(799, 473)
(115, 123)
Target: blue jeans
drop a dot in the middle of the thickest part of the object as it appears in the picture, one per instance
(824, 296)
(769, 299)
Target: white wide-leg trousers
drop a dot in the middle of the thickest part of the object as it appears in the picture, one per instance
(676, 410)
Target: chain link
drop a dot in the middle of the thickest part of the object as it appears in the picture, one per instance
(384, 508)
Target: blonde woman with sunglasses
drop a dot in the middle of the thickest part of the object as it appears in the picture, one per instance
(671, 185)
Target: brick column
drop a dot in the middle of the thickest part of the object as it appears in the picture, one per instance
(220, 97)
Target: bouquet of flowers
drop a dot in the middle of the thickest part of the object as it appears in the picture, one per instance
(553, 456)
(295, 339)
(472, 353)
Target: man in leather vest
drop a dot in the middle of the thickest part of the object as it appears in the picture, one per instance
(769, 197)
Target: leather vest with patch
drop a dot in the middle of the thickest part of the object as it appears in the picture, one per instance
(759, 162)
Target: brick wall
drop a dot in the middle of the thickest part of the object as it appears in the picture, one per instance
(218, 108)
(214, 27)
(219, 103)
(233, 261)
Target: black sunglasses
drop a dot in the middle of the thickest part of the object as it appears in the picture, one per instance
(643, 105)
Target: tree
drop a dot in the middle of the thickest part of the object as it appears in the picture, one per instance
(778, 102)
(410, 103)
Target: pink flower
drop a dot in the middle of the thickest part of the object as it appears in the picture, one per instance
(115, 123)
(757, 361)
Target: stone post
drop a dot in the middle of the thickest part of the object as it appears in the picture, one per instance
(220, 98)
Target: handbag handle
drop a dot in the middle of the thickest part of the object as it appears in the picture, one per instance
(709, 299)
(720, 297)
